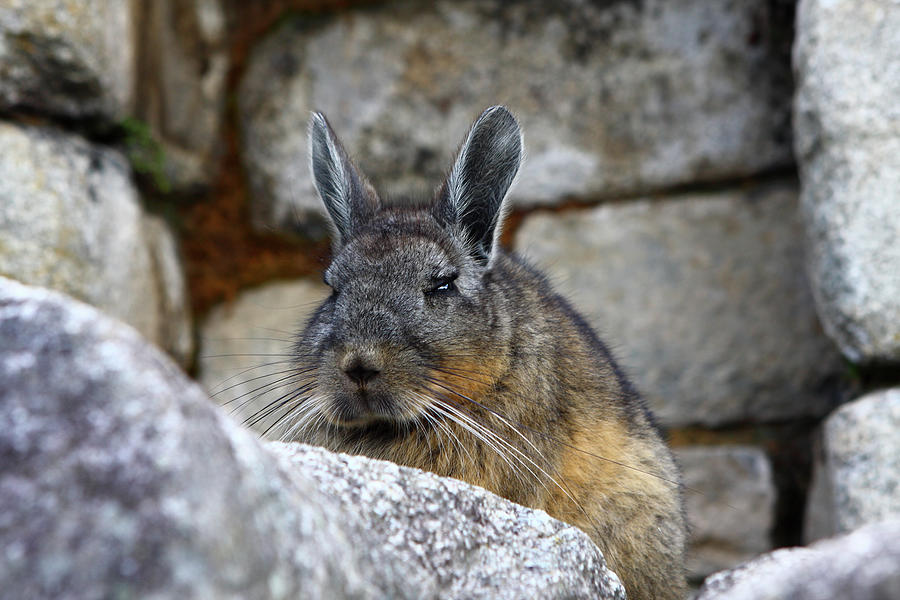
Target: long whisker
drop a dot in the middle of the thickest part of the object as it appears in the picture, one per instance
(478, 434)
(496, 414)
(253, 368)
(428, 408)
(292, 374)
(293, 402)
(283, 381)
(566, 444)
(254, 354)
(245, 381)
(275, 405)
(521, 456)
(303, 413)
(245, 339)
(510, 446)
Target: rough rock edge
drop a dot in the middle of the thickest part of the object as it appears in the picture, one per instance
(443, 510)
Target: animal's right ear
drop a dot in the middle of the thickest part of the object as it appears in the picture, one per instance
(348, 197)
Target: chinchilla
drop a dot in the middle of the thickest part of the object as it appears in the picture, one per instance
(439, 350)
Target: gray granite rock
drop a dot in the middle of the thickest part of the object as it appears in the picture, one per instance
(67, 58)
(121, 479)
(857, 476)
(244, 361)
(71, 220)
(181, 91)
(847, 123)
(730, 503)
(613, 97)
(448, 539)
(864, 565)
(702, 296)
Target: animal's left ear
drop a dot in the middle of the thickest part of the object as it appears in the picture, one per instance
(471, 200)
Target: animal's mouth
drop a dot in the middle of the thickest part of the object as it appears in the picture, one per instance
(365, 408)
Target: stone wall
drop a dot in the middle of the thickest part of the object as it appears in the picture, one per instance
(713, 184)
(71, 215)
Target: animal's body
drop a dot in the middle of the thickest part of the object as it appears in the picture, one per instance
(438, 350)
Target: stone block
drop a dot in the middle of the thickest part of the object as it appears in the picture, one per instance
(730, 503)
(856, 478)
(847, 124)
(71, 220)
(73, 59)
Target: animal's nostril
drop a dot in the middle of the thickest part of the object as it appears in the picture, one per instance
(361, 373)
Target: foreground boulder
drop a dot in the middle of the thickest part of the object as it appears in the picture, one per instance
(121, 479)
(864, 565)
(448, 539)
(119, 476)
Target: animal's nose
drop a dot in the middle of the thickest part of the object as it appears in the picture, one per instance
(361, 368)
(361, 374)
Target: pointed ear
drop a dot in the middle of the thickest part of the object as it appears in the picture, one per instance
(471, 200)
(348, 197)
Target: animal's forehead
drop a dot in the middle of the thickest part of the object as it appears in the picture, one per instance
(383, 254)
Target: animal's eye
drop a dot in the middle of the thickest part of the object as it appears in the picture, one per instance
(442, 285)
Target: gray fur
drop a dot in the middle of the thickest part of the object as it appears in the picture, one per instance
(440, 351)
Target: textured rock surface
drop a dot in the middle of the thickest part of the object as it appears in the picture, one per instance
(70, 219)
(731, 516)
(68, 58)
(847, 121)
(121, 479)
(613, 96)
(182, 94)
(478, 545)
(864, 565)
(245, 345)
(857, 478)
(702, 296)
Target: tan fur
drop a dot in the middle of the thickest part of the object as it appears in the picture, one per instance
(623, 509)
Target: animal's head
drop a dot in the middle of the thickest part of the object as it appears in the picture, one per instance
(413, 296)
